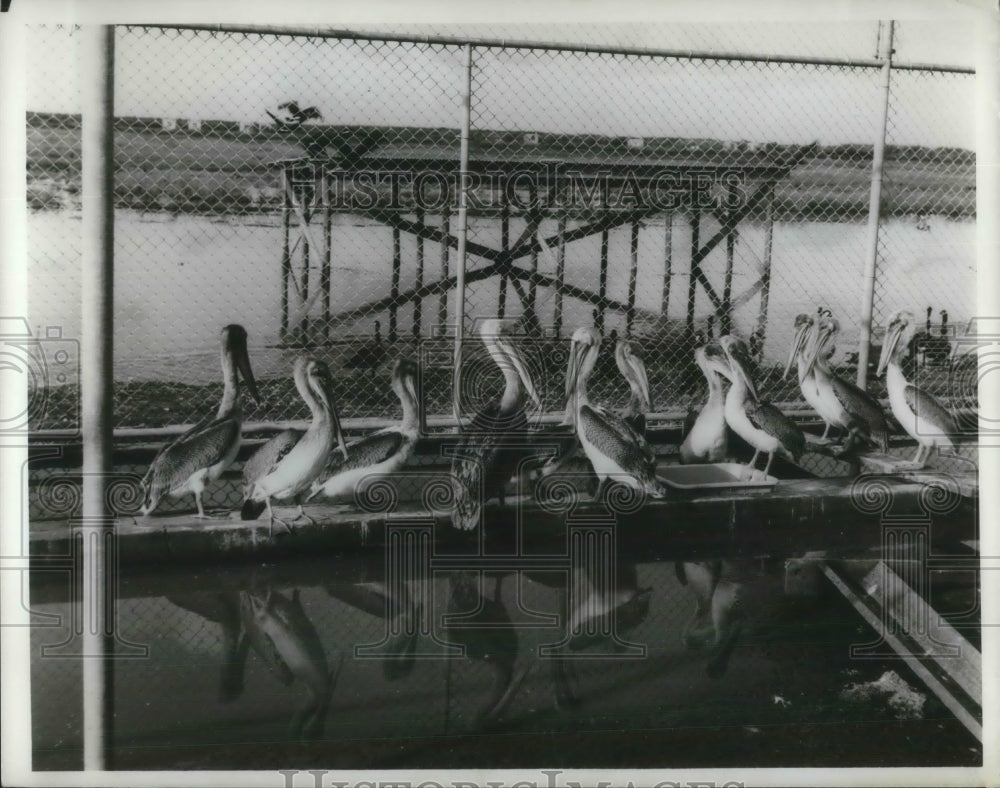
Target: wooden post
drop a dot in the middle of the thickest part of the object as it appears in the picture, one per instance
(397, 262)
(727, 283)
(668, 255)
(603, 280)
(765, 275)
(97, 377)
(327, 270)
(442, 317)
(695, 265)
(632, 278)
(418, 303)
(560, 273)
(504, 247)
(286, 257)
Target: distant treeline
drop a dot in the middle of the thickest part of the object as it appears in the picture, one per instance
(542, 142)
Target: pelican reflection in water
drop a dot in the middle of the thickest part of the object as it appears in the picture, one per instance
(280, 632)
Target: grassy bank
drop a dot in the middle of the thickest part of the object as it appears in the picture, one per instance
(189, 173)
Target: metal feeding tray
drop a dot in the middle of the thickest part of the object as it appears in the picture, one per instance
(713, 475)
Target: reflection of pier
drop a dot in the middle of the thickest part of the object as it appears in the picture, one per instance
(595, 188)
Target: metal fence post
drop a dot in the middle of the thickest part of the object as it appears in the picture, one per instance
(874, 206)
(97, 187)
(463, 230)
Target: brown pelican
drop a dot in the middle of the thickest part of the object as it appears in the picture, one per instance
(614, 449)
(278, 629)
(486, 459)
(201, 454)
(760, 424)
(799, 353)
(381, 453)
(923, 417)
(707, 438)
(839, 401)
(286, 465)
(634, 371)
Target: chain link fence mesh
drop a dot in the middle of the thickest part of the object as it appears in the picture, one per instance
(307, 188)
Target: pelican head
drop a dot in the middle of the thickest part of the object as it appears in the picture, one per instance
(740, 362)
(711, 358)
(826, 330)
(634, 371)
(404, 379)
(495, 334)
(234, 350)
(898, 332)
(803, 328)
(584, 346)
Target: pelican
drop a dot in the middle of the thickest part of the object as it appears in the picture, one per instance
(381, 453)
(707, 439)
(843, 403)
(486, 460)
(761, 424)
(614, 449)
(286, 465)
(201, 454)
(634, 371)
(570, 460)
(923, 417)
(799, 353)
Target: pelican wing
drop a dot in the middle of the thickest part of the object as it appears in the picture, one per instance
(767, 418)
(485, 462)
(203, 446)
(267, 457)
(614, 438)
(364, 453)
(929, 409)
(863, 407)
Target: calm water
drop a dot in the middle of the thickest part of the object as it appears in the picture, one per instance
(211, 694)
(179, 279)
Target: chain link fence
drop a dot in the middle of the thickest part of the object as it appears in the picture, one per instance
(308, 187)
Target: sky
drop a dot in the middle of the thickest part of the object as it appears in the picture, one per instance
(188, 75)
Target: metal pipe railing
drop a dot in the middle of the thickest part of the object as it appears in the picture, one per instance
(553, 46)
(874, 216)
(97, 379)
(462, 232)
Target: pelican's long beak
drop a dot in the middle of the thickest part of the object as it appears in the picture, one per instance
(341, 444)
(639, 381)
(242, 358)
(800, 339)
(321, 387)
(888, 349)
(820, 339)
(515, 357)
(741, 365)
(572, 370)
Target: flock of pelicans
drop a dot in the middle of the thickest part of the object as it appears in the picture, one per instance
(298, 465)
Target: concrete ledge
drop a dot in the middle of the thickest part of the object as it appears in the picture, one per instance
(839, 515)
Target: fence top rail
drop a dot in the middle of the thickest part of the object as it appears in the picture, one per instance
(555, 46)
